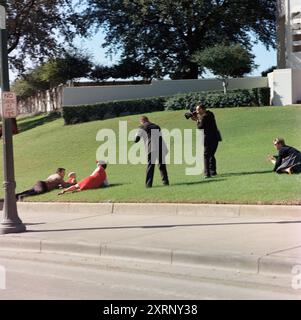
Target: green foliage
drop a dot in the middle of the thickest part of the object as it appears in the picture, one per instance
(60, 70)
(265, 72)
(164, 35)
(52, 73)
(263, 96)
(100, 72)
(85, 113)
(217, 99)
(39, 29)
(124, 69)
(226, 61)
(24, 89)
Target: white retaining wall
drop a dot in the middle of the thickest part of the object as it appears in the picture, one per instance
(92, 95)
(285, 86)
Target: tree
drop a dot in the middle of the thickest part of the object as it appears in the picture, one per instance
(129, 68)
(68, 67)
(52, 73)
(38, 29)
(267, 71)
(226, 61)
(164, 35)
(100, 72)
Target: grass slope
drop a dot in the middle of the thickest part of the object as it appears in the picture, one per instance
(244, 174)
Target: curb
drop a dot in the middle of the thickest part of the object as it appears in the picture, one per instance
(265, 265)
(181, 209)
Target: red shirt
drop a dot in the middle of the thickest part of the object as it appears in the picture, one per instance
(95, 180)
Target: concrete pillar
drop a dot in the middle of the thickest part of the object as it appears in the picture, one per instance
(285, 82)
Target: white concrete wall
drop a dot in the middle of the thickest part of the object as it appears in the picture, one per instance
(285, 86)
(280, 82)
(92, 95)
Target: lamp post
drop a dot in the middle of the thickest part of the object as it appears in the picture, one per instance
(11, 223)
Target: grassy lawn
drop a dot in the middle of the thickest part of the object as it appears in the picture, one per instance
(245, 176)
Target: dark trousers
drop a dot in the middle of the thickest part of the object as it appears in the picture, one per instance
(151, 169)
(209, 158)
(39, 188)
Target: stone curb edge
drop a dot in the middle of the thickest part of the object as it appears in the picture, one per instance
(267, 264)
(205, 210)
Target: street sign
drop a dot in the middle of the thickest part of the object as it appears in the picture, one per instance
(9, 105)
(2, 17)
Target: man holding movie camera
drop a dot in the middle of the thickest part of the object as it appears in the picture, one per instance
(205, 120)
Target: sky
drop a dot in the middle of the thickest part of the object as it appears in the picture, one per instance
(264, 59)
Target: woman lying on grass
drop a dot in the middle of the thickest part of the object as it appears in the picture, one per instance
(97, 179)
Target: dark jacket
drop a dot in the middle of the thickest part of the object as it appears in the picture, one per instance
(211, 132)
(287, 157)
(153, 140)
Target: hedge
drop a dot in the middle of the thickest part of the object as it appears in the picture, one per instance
(214, 99)
(217, 99)
(100, 111)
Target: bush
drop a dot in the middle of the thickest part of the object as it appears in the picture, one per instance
(85, 113)
(214, 99)
(264, 96)
(217, 99)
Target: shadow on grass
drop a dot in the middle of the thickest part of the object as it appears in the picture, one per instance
(115, 185)
(230, 174)
(170, 226)
(30, 124)
(205, 181)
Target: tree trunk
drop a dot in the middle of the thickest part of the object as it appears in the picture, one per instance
(225, 85)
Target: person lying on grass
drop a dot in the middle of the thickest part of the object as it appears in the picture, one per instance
(288, 159)
(97, 179)
(54, 181)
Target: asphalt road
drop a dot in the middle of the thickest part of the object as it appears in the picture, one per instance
(49, 276)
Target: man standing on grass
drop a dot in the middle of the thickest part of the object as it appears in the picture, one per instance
(205, 120)
(155, 148)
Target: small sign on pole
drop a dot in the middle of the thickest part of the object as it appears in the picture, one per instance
(9, 105)
(2, 18)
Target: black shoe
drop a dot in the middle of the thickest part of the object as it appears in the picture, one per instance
(165, 183)
(213, 174)
(147, 186)
(207, 177)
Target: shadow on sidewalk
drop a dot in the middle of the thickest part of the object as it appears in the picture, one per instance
(170, 226)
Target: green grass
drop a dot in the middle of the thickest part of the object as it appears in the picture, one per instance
(244, 174)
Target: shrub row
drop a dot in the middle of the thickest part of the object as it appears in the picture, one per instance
(217, 99)
(106, 110)
(214, 99)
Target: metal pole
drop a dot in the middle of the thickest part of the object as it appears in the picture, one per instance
(11, 223)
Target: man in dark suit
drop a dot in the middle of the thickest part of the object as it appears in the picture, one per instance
(205, 120)
(288, 159)
(155, 148)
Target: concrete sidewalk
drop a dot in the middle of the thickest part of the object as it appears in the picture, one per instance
(255, 244)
